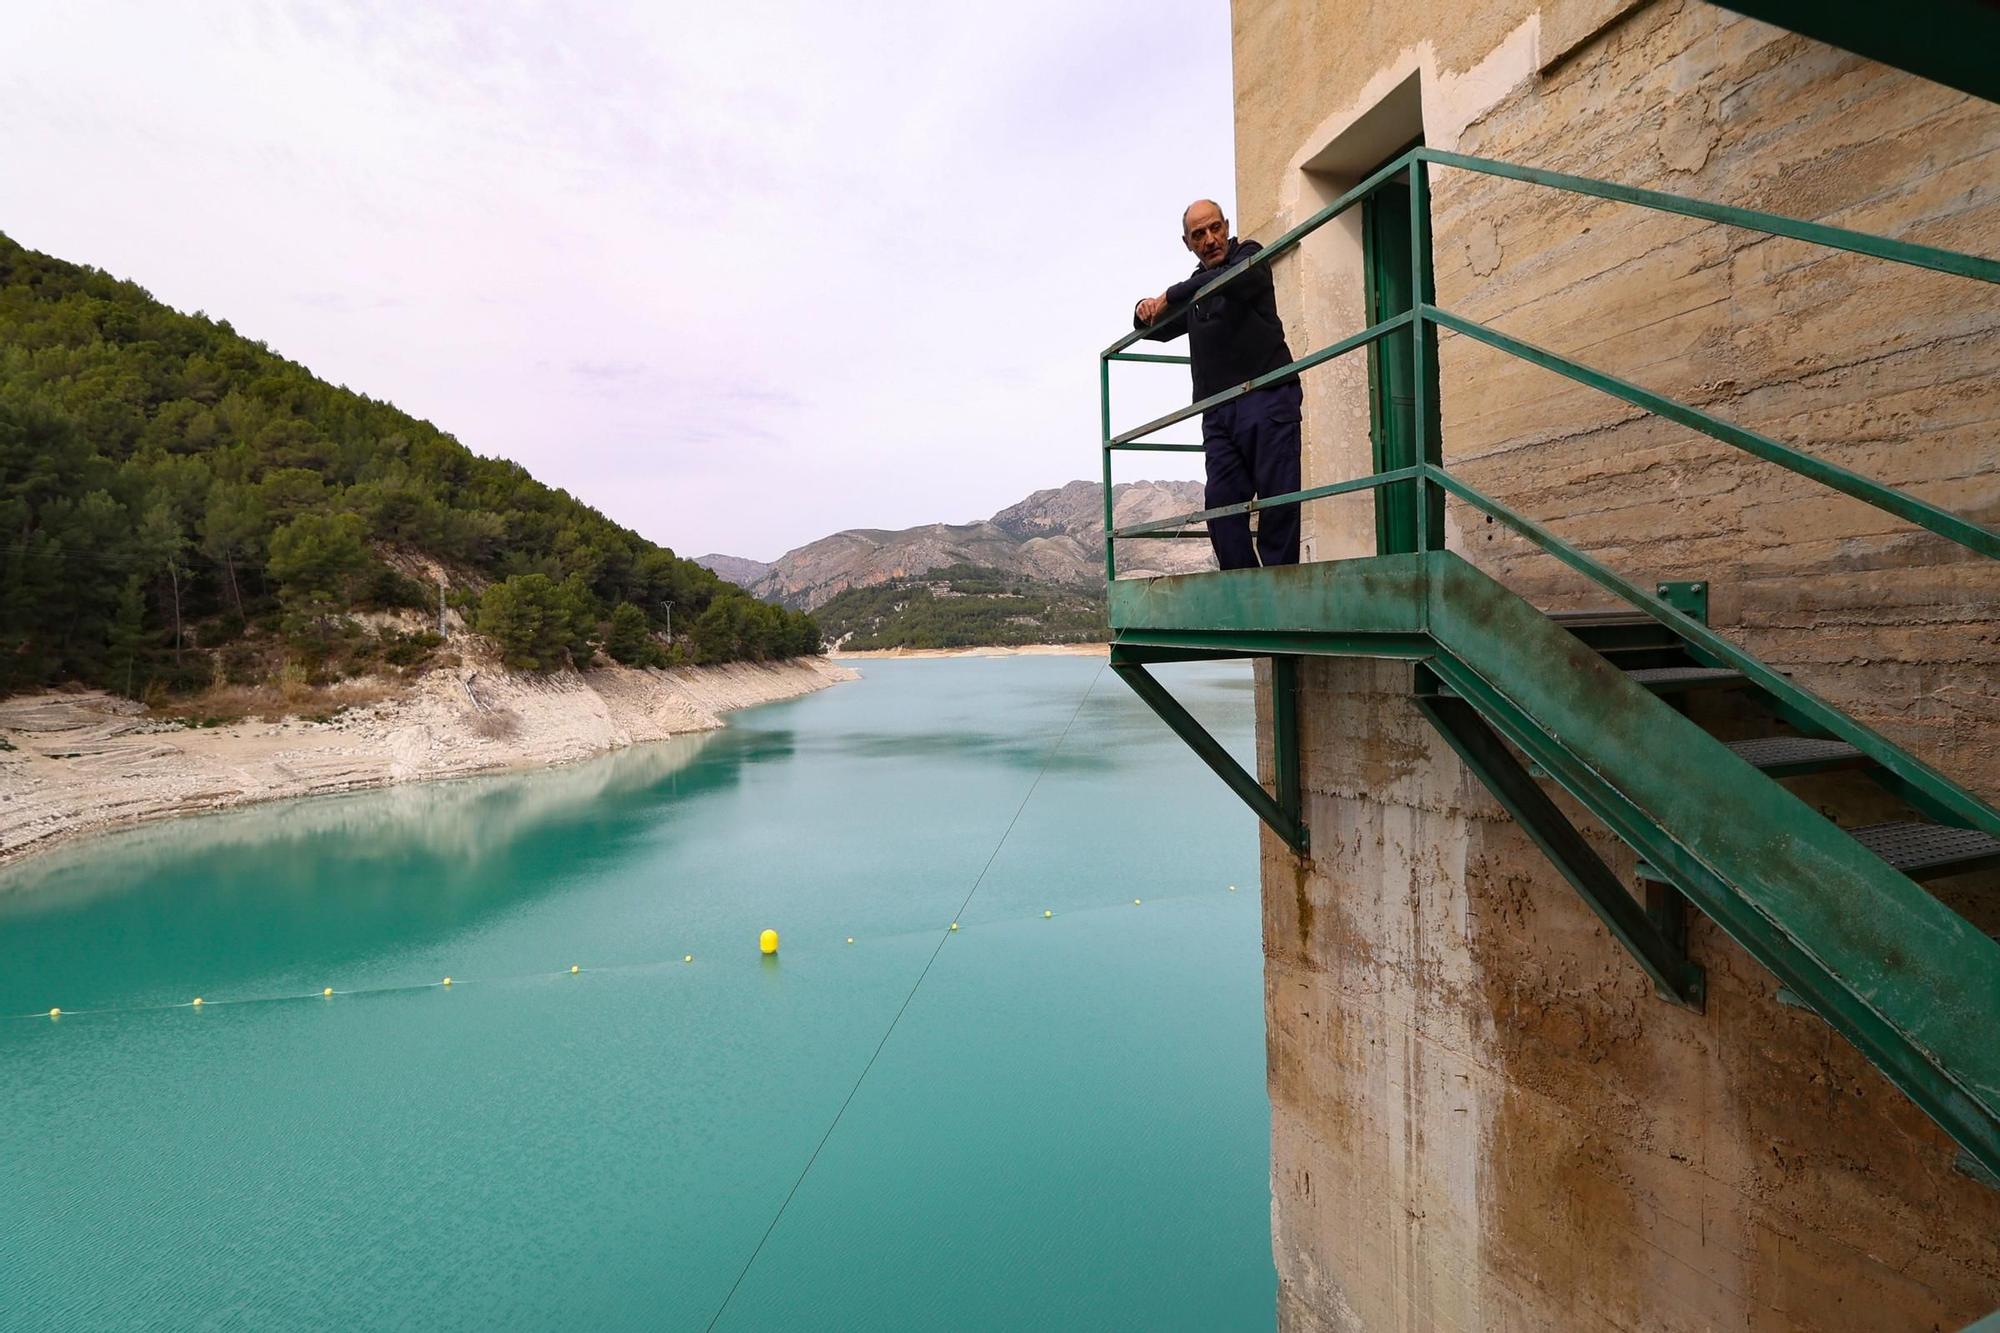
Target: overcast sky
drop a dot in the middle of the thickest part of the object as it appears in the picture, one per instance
(739, 274)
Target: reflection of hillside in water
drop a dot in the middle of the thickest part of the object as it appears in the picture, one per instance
(457, 817)
(1014, 749)
(347, 876)
(1112, 725)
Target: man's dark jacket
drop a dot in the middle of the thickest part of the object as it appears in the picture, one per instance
(1233, 334)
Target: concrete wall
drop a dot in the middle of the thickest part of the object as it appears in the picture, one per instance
(1482, 1119)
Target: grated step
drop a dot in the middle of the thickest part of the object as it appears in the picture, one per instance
(1784, 755)
(1920, 850)
(1684, 678)
(1617, 631)
(1661, 679)
(1608, 616)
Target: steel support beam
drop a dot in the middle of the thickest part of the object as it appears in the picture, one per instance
(1212, 753)
(1664, 959)
(1145, 654)
(1285, 738)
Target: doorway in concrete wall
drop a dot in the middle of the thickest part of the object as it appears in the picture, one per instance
(1388, 248)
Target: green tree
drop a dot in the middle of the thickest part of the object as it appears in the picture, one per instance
(526, 615)
(579, 607)
(128, 639)
(718, 633)
(287, 492)
(316, 559)
(630, 639)
(164, 543)
(231, 525)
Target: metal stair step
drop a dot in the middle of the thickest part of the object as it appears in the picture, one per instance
(1662, 679)
(1782, 756)
(1616, 631)
(1607, 616)
(1920, 850)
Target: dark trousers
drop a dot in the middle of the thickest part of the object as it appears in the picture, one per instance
(1252, 449)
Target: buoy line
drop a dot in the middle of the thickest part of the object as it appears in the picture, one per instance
(289, 997)
(943, 937)
(574, 969)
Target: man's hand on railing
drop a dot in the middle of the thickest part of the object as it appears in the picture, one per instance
(1150, 309)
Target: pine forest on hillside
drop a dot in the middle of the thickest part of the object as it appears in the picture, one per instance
(180, 506)
(961, 606)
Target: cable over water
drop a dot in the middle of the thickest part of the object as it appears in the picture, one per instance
(904, 1007)
(1006, 833)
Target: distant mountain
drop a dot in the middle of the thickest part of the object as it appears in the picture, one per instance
(1053, 538)
(734, 568)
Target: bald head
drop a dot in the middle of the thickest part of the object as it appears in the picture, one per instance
(1203, 206)
(1205, 232)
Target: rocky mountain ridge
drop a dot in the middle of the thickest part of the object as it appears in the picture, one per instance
(739, 570)
(1054, 536)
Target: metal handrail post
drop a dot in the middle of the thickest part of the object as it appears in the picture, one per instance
(1104, 448)
(1423, 291)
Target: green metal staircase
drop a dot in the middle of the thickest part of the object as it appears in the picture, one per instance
(1605, 707)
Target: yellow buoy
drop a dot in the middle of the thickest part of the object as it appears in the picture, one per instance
(327, 991)
(1046, 914)
(850, 939)
(447, 981)
(954, 925)
(574, 969)
(55, 1013)
(197, 1001)
(768, 942)
(1232, 888)
(688, 959)
(1135, 902)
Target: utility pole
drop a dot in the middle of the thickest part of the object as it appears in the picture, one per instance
(668, 607)
(440, 578)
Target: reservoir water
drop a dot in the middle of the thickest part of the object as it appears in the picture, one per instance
(1066, 1129)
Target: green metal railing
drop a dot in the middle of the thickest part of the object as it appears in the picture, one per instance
(1913, 985)
(1423, 499)
(1428, 470)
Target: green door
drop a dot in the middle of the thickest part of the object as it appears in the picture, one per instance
(1387, 248)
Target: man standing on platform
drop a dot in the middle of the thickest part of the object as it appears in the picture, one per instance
(1251, 444)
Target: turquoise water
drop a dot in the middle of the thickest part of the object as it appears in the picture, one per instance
(1067, 1129)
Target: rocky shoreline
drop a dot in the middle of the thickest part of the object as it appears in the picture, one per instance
(73, 764)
